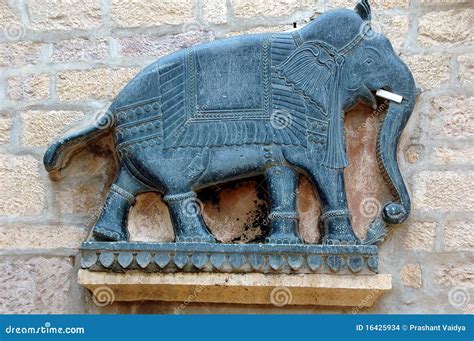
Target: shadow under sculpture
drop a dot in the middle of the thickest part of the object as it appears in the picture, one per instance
(270, 104)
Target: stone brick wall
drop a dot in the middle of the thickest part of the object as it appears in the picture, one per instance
(62, 60)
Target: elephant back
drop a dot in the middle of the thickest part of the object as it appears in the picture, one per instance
(225, 93)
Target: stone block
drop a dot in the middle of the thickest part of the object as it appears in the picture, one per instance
(142, 13)
(155, 47)
(420, 236)
(410, 276)
(459, 236)
(279, 290)
(395, 28)
(456, 275)
(451, 116)
(466, 69)
(41, 127)
(429, 70)
(214, 11)
(5, 127)
(278, 8)
(443, 191)
(47, 15)
(375, 4)
(19, 54)
(80, 50)
(446, 156)
(35, 286)
(21, 189)
(93, 84)
(29, 88)
(25, 237)
(446, 28)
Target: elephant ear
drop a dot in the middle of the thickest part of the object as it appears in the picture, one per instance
(363, 9)
(311, 70)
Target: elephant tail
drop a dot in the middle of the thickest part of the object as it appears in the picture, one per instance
(61, 150)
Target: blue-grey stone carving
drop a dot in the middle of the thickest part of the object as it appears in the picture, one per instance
(270, 104)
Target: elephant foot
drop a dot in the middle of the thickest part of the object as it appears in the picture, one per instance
(105, 234)
(195, 232)
(187, 220)
(195, 239)
(283, 239)
(338, 228)
(340, 240)
(283, 229)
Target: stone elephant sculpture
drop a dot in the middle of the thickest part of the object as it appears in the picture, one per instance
(269, 104)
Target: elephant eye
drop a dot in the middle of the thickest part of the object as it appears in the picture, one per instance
(369, 61)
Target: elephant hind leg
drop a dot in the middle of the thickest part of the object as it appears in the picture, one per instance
(185, 211)
(112, 222)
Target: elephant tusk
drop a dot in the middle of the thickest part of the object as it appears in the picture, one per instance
(389, 95)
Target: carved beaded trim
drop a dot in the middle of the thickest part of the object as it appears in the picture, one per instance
(110, 233)
(195, 257)
(283, 215)
(297, 38)
(138, 126)
(171, 198)
(123, 193)
(335, 214)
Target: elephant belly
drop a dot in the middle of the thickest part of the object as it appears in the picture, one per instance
(236, 162)
(195, 168)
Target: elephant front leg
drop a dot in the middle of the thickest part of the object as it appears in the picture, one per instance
(336, 217)
(282, 183)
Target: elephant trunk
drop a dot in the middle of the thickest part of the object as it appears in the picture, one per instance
(402, 83)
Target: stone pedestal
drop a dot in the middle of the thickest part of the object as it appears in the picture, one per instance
(240, 288)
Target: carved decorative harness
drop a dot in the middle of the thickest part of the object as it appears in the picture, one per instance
(188, 115)
(296, 73)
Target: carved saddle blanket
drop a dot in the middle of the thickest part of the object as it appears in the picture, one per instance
(228, 93)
